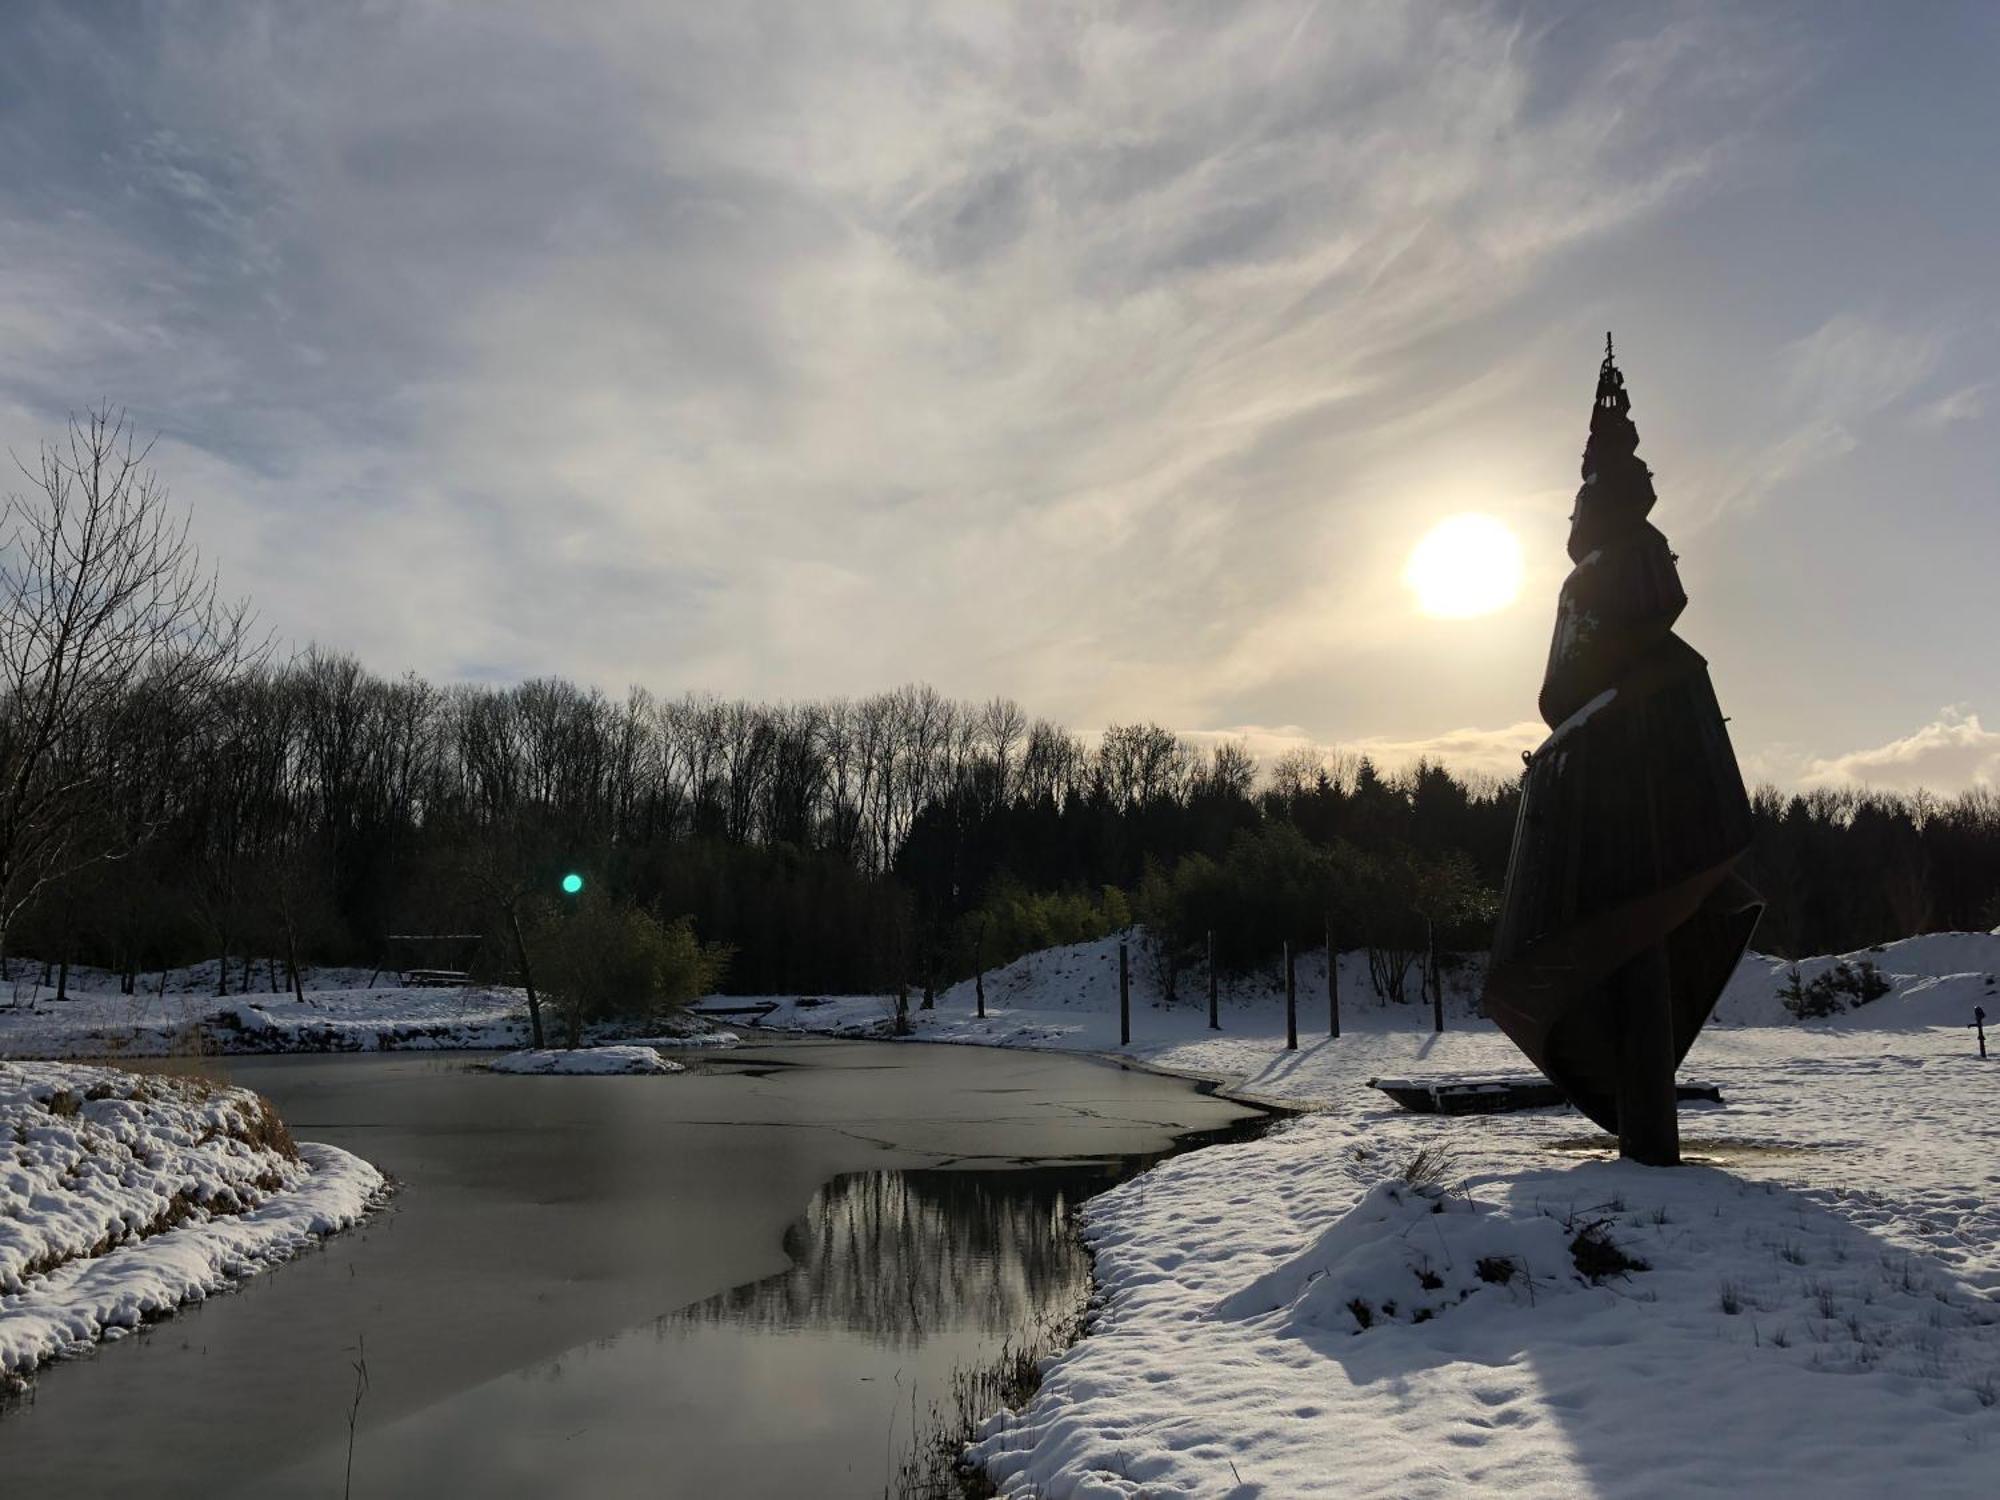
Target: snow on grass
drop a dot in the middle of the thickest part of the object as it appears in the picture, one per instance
(101, 1023)
(1818, 1313)
(340, 1013)
(124, 1194)
(625, 1059)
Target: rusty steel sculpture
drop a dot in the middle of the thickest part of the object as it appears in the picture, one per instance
(1622, 917)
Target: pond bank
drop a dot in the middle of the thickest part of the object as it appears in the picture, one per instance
(1811, 1305)
(524, 1287)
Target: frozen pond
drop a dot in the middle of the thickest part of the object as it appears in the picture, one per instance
(585, 1286)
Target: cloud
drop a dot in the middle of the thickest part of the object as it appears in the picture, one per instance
(1479, 752)
(795, 350)
(1950, 753)
(1851, 366)
(1828, 384)
(1967, 404)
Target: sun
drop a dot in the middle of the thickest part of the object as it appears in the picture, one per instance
(1466, 565)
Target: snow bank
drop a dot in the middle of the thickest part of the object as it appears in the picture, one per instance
(179, 1014)
(105, 1023)
(123, 1195)
(1287, 1318)
(1934, 980)
(626, 1059)
(1067, 998)
(1816, 1313)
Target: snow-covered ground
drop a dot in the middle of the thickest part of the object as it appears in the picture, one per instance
(1819, 1311)
(614, 1059)
(123, 1195)
(340, 1014)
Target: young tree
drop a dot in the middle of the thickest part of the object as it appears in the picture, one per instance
(102, 594)
(606, 959)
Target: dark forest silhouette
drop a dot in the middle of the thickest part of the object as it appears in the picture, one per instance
(846, 845)
(169, 794)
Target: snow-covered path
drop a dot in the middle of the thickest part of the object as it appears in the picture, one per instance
(1819, 1313)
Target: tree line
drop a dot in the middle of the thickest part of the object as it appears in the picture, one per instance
(170, 791)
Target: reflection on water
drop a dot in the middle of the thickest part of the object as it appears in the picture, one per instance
(897, 1256)
(516, 1304)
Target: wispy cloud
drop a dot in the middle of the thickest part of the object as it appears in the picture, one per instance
(1967, 404)
(1492, 753)
(1828, 383)
(1952, 751)
(1093, 356)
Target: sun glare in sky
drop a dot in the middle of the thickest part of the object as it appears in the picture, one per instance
(1465, 565)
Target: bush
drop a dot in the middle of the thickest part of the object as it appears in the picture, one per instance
(606, 959)
(1839, 988)
(1013, 920)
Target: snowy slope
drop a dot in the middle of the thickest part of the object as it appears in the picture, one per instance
(123, 1195)
(1819, 1314)
(102, 1022)
(1935, 980)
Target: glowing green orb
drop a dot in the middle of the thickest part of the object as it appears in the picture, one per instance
(572, 883)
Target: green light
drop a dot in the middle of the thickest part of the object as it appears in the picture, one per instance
(572, 883)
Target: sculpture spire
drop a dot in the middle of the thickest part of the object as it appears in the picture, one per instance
(1621, 919)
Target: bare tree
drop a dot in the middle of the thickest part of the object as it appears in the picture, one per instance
(101, 594)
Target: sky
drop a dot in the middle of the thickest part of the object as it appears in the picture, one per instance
(1111, 358)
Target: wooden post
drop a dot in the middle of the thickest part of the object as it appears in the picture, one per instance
(1124, 997)
(1332, 983)
(1291, 1001)
(1649, 1128)
(1214, 1020)
(979, 968)
(979, 990)
(1431, 976)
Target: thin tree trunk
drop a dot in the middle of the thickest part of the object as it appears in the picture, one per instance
(1431, 977)
(1214, 1017)
(1332, 983)
(527, 975)
(1124, 998)
(1291, 1000)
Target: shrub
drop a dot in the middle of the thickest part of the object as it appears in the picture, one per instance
(606, 959)
(1840, 988)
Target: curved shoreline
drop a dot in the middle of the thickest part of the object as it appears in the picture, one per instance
(102, 1298)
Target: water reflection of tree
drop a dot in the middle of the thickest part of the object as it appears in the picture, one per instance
(896, 1256)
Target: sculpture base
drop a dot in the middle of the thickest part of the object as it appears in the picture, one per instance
(1460, 1094)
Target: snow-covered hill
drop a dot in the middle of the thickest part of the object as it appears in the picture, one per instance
(1818, 1311)
(1933, 980)
(123, 1195)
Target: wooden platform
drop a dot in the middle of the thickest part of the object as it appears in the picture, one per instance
(755, 1012)
(1494, 1094)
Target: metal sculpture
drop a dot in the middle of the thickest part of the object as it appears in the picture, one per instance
(1622, 918)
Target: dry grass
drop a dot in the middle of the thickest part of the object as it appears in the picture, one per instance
(932, 1470)
(267, 1132)
(1430, 1168)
